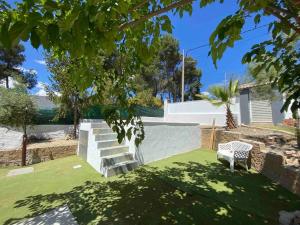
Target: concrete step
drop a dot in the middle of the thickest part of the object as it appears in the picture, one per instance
(108, 151)
(99, 125)
(119, 168)
(107, 143)
(102, 130)
(111, 160)
(105, 137)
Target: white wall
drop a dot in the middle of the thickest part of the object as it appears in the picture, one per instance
(92, 153)
(202, 112)
(12, 138)
(165, 139)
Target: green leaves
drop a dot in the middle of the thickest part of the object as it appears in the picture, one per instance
(257, 19)
(53, 32)
(35, 39)
(51, 5)
(16, 108)
(68, 21)
(16, 31)
(166, 25)
(221, 95)
(225, 35)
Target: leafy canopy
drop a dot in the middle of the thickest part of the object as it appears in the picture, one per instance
(11, 61)
(16, 108)
(81, 28)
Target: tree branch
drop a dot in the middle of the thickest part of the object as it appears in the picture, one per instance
(141, 4)
(155, 13)
(277, 13)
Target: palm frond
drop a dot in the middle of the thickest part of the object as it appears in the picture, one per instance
(233, 87)
(222, 95)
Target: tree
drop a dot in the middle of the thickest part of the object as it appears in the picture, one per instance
(278, 53)
(17, 110)
(192, 76)
(63, 91)
(163, 73)
(145, 98)
(81, 28)
(262, 86)
(10, 60)
(284, 60)
(223, 96)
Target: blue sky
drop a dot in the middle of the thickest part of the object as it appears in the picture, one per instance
(191, 31)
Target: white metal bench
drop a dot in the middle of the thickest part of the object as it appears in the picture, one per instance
(233, 152)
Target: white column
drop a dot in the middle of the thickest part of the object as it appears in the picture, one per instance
(166, 109)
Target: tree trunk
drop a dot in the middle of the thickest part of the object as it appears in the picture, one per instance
(298, 130)
(7, 82)
(75, 123)
(24, 149)
(174, 96)
(230, 123)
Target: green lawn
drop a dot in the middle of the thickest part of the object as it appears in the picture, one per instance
(191, 188)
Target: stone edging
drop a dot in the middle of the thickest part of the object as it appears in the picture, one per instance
(36, 155)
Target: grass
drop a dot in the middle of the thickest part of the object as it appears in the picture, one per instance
(291, 130)
(192, 188)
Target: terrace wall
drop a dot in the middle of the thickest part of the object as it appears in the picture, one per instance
(36, 155)
(269, 163)
(201, 112)
(11, 139)
(165, 139)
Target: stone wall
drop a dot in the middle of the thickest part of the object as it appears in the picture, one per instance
(270, 163)
(222, 136)
(36, 155)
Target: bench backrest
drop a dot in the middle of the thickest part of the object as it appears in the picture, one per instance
(241, 149)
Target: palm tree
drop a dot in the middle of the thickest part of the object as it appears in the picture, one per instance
(223, 96)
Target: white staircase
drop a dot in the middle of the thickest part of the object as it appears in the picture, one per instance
(115, 158)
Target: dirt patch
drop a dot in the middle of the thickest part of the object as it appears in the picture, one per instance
(52, 143)
(258, 131)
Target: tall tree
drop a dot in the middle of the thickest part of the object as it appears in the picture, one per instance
(170, 58)
(17, 110)
(10, 60)
(64, 91)
(163, 73)
(192, 76)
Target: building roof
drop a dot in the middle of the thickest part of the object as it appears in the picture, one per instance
(251, 85)
(247, 85)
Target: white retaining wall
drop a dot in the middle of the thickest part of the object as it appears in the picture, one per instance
(12, 138)
(202, 112)
(165, 139)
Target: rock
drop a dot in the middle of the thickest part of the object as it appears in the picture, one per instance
(292, 162)
(289, 218)
(290, 153)
(296, 221)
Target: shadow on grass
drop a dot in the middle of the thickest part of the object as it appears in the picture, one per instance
(184, 193)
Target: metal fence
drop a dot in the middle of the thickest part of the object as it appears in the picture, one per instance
(94, 112)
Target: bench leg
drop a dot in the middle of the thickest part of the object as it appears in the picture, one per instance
(232, 165)
(246, 165)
